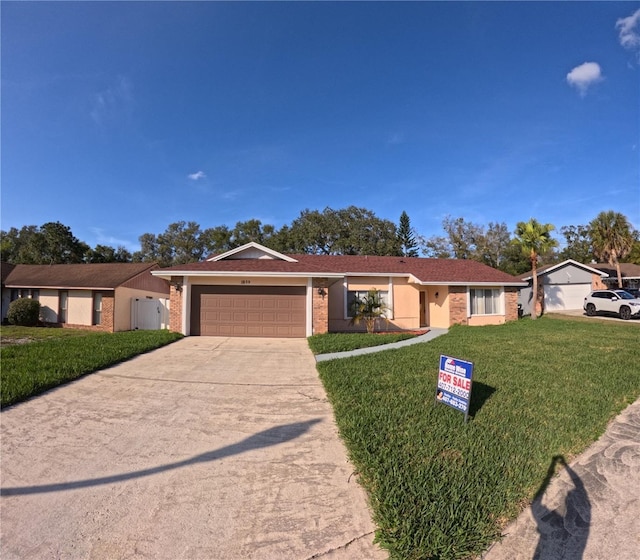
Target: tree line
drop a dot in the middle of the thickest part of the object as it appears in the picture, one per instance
(348, 231)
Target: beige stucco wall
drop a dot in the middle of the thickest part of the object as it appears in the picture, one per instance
(404, 299)
(80, 307)
(122, 311)
(480, 320)
(49, 304)
(438, 307)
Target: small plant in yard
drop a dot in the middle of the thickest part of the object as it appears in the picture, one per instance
(368, 308)
(24, 312)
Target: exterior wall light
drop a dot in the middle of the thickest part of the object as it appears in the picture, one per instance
(322, 292)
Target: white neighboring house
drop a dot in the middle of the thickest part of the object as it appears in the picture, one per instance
(565, 285)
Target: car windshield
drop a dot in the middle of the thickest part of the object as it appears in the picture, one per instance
(623, 295)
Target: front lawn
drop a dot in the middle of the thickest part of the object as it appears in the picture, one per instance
(56, 357)
(342, 342)
(442, 489)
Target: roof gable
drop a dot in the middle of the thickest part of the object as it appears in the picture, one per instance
(550, 268)
(251, 250)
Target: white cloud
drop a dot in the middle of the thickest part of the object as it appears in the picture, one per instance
(630, 31)
(197, 175)
(113, 101)
(584, 76)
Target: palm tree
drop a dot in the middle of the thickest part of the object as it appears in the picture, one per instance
(535, 239)
(368, 308)
(611, 238)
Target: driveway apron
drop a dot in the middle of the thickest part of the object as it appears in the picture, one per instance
(212, 448)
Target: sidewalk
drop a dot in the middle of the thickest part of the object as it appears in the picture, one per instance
(433, 333)
(591, 511)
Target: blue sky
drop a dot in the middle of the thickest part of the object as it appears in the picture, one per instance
(119, 118)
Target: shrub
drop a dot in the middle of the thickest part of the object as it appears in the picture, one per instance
(24, 312)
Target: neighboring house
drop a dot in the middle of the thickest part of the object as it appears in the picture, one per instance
(561, 286)
(255, 291)
(5, 270)
(105, 296)
(630, 275)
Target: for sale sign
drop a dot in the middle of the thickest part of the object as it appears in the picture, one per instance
(454, 384)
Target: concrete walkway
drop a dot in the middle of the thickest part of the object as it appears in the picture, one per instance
(433, 333)
(591, 510)
(210, 448)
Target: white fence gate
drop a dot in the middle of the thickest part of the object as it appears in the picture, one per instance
(149, 314)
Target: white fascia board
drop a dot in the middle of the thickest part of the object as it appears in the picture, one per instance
(252, 245)
(37, 287)
(565, 263)
(517, 284)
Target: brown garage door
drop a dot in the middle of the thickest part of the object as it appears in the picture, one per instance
(270, 311)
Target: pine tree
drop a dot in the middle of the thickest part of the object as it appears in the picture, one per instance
(408, 245)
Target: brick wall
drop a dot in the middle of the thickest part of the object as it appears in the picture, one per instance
(320, 306)
(458, 305)
(597, 283)
(175, 309)
(511, 303)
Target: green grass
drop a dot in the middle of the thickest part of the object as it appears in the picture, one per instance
(342, 342)
(30, 369)
(12, 334)
(443, 489)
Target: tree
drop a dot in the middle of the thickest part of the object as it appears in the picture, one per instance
(578, 244)
(466, 240)
(368, 308)
(52, 243)
(107, 254)
(348, 231)
(406, 238)
(611, 238)
(535, 239)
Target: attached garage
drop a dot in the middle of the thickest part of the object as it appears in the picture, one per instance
(569, 296)
(260, 311)
(565, 285)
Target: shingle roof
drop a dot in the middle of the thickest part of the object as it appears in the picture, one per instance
(628, 270)
(449, 271)
(5, 269)
(94, 276)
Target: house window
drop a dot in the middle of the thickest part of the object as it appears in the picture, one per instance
(97, 309)
(352, 295)
(25, 293)
(62, 306)
(486, 301)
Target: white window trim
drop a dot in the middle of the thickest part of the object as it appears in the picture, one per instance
(500, 300)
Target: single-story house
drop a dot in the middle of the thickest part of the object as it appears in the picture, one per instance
(256, 291)
(561, 286)
(630, 275)
(103, 296)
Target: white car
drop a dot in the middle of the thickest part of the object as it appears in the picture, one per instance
(612, 301)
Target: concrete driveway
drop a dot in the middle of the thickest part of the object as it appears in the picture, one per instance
(212, 448)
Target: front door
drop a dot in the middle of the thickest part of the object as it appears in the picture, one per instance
(423, 309)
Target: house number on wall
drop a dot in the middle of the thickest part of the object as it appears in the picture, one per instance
(245, 281)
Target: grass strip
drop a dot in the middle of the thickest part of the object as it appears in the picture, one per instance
(30, 369)
(443, 489)
(342, 342)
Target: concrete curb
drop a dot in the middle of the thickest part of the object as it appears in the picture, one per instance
(433, 333)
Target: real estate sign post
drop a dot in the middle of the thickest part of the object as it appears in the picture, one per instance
(454, 384)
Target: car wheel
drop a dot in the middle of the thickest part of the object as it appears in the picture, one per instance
(625, 312)
(591, 309)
